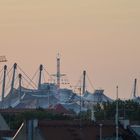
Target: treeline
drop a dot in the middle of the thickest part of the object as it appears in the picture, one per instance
(15, 120)
(106, 111)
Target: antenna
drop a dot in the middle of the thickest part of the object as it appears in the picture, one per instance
(58, 74)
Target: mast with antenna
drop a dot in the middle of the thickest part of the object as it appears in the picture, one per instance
(58, 74)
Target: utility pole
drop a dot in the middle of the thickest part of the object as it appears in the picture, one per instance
(101, 131)
(117, 127)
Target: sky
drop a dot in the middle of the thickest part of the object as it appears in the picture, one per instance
(99, 36)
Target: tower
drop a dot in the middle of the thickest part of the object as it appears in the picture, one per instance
(58, 74)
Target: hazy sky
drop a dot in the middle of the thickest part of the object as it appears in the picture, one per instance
(100, 36)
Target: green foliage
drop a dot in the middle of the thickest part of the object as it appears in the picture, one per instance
(127, 109)
(85, 115)
(106, 111)
(15, 120)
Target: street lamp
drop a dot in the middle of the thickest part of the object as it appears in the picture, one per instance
(101, 131)
(117, 127)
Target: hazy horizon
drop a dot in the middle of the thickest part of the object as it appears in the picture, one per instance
(101, 37)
